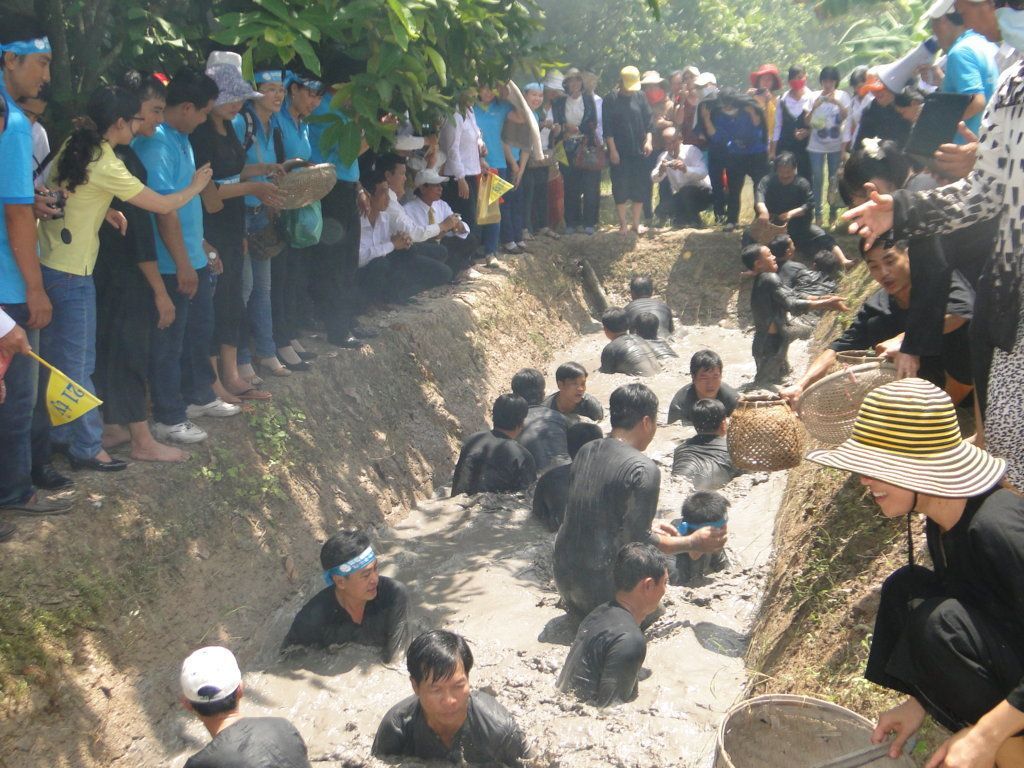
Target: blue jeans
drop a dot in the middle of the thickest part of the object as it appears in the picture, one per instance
(196, 371)
(818, 160)
(165, 360)
(513, 212)
(69, 344)
(16, 418)
(256, 292)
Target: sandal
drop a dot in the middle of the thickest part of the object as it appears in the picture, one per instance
(273, 370)
(252, 394)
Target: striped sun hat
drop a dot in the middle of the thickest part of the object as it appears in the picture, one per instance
(906, 434)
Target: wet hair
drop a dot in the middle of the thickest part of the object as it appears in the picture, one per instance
(387, 162)
(784, 158)
(705, 360)
(886, 241)
(636, 562)
(615, 320)
(779, 246)
(708, 415)
(858, 76)
(830, 73)
(887, 162)
(827, 263)
(641, 287)
(581, 433)
(342, 547)
(435, 655)
(911, 94)
(17, 26)
(646, 325)
(191, 87)
(705, 507)
(107, 105)
(796, 72)
(145, 85)
(570, 371)
(509, 412)
(214, 708)
(528, 383)
(750, 255)
(630, 403)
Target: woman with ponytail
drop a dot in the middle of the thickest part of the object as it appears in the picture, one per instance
(87, 175)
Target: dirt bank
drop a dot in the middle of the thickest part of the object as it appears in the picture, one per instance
(99, 607)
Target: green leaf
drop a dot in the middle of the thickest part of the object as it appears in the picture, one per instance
(405, 17)
(307, 54)
(439, 65)
(399, 32)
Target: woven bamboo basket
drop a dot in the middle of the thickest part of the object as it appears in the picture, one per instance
(763, 232)
(829, 406)
(784, 731)
(307, 185)
(765, 435)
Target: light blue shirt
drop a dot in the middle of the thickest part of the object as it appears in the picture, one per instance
(971, 68)
(345, 172)
(490, 119)
(295, 135)
(170, 165)
(15, 189)
(260, 151)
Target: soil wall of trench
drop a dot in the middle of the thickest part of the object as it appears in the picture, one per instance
(97, 608)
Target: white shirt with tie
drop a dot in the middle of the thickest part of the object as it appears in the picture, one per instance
(695, 175)
(426, 215)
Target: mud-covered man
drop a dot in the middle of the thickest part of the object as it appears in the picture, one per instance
(703, 509)
(646, 325)
(571, 400)
(358, 605)
(544, 431)
(705, 382)
(552, 491)
(641, 291)
(704, 458)
(492, 461)
(626, 353)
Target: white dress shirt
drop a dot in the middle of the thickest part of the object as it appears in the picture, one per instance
(695, 175)
(461, 142)
(374, 238)
(400, 222)
(6, 323)
(417, 210)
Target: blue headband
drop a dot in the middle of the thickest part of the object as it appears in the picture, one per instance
(25, 47)
(533, 87)
(686, 528)
(313, 85)
(357, 563)
(270, 76)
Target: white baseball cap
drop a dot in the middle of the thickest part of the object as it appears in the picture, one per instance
(210, 674)
(409, 143)
(939, 8)
(428, 176)
(705, 78)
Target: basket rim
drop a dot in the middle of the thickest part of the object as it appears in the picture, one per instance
(879, 365)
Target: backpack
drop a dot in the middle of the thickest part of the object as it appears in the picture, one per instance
(250, 135)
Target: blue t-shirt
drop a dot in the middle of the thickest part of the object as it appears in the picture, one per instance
(170, 165)
(348, 172)
(971, 68)
(295, 136)
(15, 189)
(260, 151)
(490, 119)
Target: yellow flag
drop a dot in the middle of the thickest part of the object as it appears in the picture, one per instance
(66, 400)
(498, 188)
(560, 155)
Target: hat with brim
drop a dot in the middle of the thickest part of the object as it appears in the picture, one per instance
(554, 80)
(409, 143)
(907, 434)
(652, 77)
(231, 86)
(429, 176)
(705, 79)
(766, 69)
(939, 8)
(630, 77)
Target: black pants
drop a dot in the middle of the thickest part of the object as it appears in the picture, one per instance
(228, 306)
(125, 319)
(535, 198)
(285, 271)
(582, 197)
(738, 167)
(955, 659)
(460, 252)
(716, 166)
(770, 351)
(336, 260)
(465, 208)
(683, 207)
(400, 275)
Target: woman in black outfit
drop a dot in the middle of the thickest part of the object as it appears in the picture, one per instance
(575, 114)
(794, 110)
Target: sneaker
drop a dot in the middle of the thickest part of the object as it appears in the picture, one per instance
(511, 248)
(588, 231)
(186, 432)
(216, 408)
(521, 245)
(492, 260)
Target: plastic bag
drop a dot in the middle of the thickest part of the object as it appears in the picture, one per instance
(303, 226)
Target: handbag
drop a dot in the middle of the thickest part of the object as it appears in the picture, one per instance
(302, 227)
(589, 157)
(486, 212)
(266, 243)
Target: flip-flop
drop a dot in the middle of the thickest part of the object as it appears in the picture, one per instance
(253, 394)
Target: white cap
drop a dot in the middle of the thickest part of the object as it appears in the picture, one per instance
(554, 80)
(224, 57)
(428, 176)
(939, 9)
(409, 143)
(210, 674)
(705, 78)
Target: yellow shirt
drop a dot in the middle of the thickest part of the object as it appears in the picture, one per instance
(106, 177)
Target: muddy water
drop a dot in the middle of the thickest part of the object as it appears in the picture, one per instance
(481, 567)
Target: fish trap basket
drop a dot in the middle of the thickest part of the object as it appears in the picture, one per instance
(763, 232)
(785, 731)
(829, 407)
(854, 357)
(304, 186)
(765, 435)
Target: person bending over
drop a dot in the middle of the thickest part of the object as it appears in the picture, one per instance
(705, 382)
(444, 719)
(571, 399)
(823, 280)
(552, 491)
(704, 459)
(770, 304)
(784, 251)
(881, 322)
(358, 605)
(641, 291)
(625, 353)
(703, 509)
(948, 637)
(544, 431)
(646, 327)
(603, 665)
(613, 498)
(211, 688)
(492, 461)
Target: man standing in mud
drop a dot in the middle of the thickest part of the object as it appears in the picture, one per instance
(571, 400)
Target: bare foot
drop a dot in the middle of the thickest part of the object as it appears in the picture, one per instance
(115, 435)
(102, 456)
(237, 386)
(623, 230)
(223, 394)
(154, 451)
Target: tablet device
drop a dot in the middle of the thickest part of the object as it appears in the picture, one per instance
(937, 123)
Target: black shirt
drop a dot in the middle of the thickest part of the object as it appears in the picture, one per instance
(627, 120)
(688, 569)
(811, 282)
(551, 495)
(681, 407)
(655, 307)
(323, 622)
(493, 462)
(254, 742)
(779, 198)
(488, 736)
(613, 498)
(226, 156)
(589, 406)
(662, 349)
(790, 272)
(120, 255)
(631, 355)
(882, 123)
(705, 460)
(770, 302)
(604, 662)
(544, 436)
